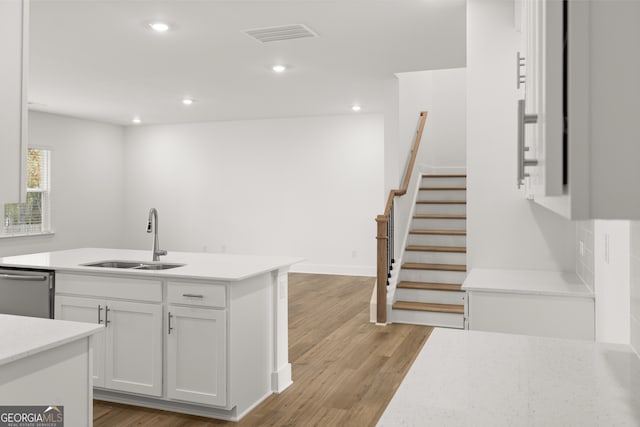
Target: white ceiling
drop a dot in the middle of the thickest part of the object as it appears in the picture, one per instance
(98, 60)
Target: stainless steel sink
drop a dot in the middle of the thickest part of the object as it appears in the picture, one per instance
(134, 265)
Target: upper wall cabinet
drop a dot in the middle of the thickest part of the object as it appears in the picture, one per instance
(578, 140)
(13, 103)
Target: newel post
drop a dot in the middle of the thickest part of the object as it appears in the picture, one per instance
(382, 272)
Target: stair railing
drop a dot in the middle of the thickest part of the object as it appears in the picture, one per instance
(385, 230)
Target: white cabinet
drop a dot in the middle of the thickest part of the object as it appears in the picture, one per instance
(579, 66)
(197, 355)
(128, 357)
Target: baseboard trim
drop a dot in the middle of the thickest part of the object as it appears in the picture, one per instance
(341, 270)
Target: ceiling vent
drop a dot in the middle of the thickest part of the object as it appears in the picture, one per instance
(283, 32)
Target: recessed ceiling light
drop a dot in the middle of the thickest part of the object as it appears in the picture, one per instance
(160, 27)
(187, 101)
(279, 68)
(356, 108)
(136, 120)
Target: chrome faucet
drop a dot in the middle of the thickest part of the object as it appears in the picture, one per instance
(153, 216)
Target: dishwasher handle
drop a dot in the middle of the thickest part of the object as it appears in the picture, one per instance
(24, 277)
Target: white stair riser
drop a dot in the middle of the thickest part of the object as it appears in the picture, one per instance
(436, 240)
(429, 318)
(435, 257)
(434, 297)
(443, 182)
(424, 208)
(442, 195)
(438, 224)
(432, 276)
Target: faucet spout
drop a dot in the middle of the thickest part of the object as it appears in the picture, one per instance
(153, 219)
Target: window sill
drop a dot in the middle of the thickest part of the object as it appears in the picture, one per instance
(16, 236)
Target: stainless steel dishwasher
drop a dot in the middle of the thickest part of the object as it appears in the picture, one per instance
(26, 292)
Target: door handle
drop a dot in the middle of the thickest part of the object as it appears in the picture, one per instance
(23, 277)
(524, 119)
(169, 321)
(106, 315)
(99, 314)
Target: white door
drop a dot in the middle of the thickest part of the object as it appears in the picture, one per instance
(197, 355)
(86, 310)
(543, 44)
(133, 360)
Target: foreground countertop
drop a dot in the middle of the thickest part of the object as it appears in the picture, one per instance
(208, 266)
(23, 336)
(526, 282)
(471, 378)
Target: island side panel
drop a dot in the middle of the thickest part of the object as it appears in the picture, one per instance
(250, 342)
(56, 377)
(281, 376)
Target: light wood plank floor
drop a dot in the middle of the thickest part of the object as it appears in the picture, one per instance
(345, 369)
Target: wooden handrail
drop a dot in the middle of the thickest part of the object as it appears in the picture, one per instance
(382, 270)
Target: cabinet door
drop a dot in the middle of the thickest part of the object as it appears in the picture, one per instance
(86, 310)
(133, 360)
(543, 43)
(197, 355)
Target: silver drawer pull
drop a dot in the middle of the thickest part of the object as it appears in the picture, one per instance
(193, 295)
(22, 277)
(524, 119)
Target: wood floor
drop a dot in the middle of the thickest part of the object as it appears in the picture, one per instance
(345, 369)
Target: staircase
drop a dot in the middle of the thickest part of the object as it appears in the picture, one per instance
(434, 262)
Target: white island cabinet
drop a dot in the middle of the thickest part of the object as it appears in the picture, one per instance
(209, 337)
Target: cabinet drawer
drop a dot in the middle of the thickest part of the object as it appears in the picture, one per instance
(109, 287)
(200, 294)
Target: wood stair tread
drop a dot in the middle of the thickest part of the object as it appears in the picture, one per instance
(439, 216)
(428, 266)
(444, 175)
(424, 306)
(421, 248)
(430, 286)
(441, 202)
(440, 232)
(443, 188)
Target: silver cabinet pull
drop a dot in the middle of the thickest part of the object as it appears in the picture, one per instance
(23, 277)
(169, 322)
(523, 119)
(99, 314)
(193, 295)
(106, 315)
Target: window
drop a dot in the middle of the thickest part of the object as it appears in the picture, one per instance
(33, 215)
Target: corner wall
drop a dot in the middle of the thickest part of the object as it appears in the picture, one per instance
(504, 229)
(87, 184)
(635, 284)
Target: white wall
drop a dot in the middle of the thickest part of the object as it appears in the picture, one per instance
(635, 284)
(504, 229)
(308, 187)
(443, 93)
(10, 100)
(87, 184)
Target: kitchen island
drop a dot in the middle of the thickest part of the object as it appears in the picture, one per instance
(47, 362)
(208, 337)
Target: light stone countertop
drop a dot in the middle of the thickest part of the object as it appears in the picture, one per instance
(526, 282)
(22, 336)
(472, 378)
(207, 266)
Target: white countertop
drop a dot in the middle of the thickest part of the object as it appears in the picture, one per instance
(526, 282)
(228, 267)
(471, 378)
(22, 336)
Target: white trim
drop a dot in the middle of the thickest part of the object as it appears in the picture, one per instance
(16, 236)
(344, 270)
(281, 379)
